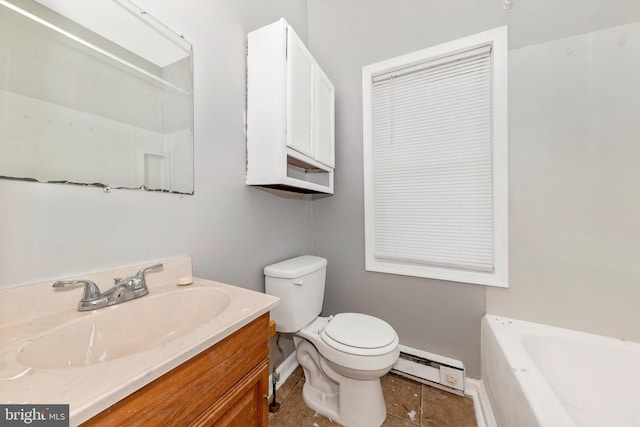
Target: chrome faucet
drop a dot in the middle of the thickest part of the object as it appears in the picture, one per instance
(123, 290)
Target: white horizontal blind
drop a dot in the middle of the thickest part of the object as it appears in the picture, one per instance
(432, 163)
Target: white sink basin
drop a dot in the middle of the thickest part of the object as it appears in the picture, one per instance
(124, 329)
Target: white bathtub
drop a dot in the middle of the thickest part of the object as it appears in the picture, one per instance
(537, 375)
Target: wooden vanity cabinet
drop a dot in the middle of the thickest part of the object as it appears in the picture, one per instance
(225, 385)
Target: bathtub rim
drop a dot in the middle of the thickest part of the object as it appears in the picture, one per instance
(541, 402)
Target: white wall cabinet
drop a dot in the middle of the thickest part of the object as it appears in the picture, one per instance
(290, 114)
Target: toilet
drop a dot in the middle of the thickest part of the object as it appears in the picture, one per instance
(343, 356)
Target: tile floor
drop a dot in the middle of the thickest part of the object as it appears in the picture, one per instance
(433, 407)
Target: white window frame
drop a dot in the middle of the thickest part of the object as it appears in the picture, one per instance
(497, 39)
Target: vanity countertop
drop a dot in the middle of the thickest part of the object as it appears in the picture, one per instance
(93, 382)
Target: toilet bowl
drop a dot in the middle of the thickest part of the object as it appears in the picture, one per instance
(343, 380)
(342, 356)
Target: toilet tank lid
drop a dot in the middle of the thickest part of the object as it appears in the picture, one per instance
(295, 267)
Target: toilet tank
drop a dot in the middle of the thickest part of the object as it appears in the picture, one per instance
(299, 282)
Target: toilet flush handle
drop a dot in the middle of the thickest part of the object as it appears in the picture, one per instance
(298, 282)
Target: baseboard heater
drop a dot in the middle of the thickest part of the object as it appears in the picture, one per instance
(431, 369)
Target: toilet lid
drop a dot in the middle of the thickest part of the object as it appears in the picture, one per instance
(359, 330)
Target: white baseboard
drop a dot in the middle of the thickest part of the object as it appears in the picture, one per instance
(481, 403)
(285, 370)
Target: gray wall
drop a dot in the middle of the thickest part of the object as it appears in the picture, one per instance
(575, 184)
(231, 231)
(435, 316)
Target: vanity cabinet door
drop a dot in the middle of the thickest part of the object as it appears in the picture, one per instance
(245, 405)
(300, 70)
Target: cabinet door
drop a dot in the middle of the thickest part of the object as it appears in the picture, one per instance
(324, 118)
(300, 65)
(245, 405)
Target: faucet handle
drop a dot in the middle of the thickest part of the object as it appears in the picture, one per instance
(91, 290)
(140, 274)
(141, 282)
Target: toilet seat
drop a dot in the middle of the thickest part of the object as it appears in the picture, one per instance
(359, 334)
(345, 356)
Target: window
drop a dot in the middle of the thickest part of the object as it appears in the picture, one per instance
(435, 161)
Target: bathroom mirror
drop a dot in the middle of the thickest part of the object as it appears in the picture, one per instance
(94, 93)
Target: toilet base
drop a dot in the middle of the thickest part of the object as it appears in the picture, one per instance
(350, 402)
